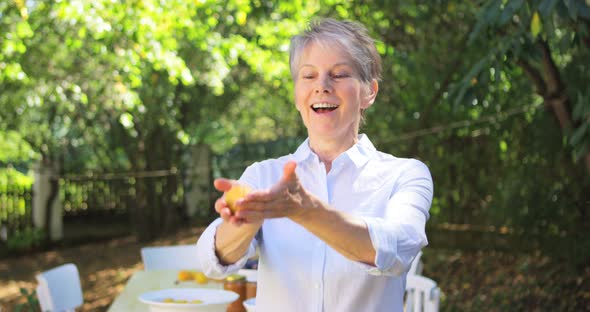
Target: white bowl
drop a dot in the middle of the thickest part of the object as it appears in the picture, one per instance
(250, 305)
(213, 299)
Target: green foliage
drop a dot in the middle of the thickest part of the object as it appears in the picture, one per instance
(26, 239)
(13, 179)
(515, 34)
(13, 187)
(31, 304)
(13, 149)
(232, 163)
(130, 86)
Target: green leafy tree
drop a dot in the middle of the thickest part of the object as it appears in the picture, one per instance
(549, 41)
(128, 86)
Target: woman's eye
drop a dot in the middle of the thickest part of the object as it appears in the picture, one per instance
(340, 75)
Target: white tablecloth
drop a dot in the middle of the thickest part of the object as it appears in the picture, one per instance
(143, 281)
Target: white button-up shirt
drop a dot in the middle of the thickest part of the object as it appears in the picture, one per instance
(299, 272)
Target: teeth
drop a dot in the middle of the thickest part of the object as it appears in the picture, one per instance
(324, 105)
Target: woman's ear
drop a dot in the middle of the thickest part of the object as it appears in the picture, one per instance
(369, 97)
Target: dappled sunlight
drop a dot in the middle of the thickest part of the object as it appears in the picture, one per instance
(10, 290)
(469, 281)
(104, 268)
(104, 285)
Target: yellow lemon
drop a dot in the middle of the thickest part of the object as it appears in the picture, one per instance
(201, 278)
(185, 275)
(168, 300)
(236, 192)
(196, 301)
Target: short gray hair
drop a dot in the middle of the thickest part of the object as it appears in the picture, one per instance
(350, 36)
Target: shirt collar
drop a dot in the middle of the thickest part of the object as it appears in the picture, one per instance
(359, 153)
(362, 151)
(303, 152)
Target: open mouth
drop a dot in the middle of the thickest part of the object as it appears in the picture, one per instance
(323, 107)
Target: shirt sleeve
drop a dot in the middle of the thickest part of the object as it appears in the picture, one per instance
(399, 236)
(210, 264)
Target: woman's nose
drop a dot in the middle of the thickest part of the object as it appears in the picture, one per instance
(323, 85)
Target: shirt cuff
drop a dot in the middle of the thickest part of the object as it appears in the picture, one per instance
(210, 263)
(384, 238)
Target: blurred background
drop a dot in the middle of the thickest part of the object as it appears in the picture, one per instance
(116, 116)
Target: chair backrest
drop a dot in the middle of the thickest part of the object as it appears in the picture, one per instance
(422, 294)
(182, 257)
(59, 289)
(416, 266)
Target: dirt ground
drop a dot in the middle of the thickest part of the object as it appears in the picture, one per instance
(476, 280)
(104, 268)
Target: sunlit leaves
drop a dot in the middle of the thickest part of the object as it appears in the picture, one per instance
(14, 149)
(11, 72)
(23, 30)
(536, 25)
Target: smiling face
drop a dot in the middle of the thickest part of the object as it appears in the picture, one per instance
(329, 94)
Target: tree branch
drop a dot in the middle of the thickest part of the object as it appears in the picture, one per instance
(586, 39)
(535, 75)
(552, 75)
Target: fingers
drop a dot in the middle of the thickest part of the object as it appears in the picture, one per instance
(257, 205)
(289, 171)
(220, 204)
(257, 196)
(227, 215)
(222, 209)
(252, 216)
(223, 185)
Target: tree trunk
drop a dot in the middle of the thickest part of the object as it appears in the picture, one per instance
(142, 214)
(53, 191)
(550, 86)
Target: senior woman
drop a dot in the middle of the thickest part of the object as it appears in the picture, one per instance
(337, 223)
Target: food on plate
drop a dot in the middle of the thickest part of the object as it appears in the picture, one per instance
(236, 192)
(185, 275)
(171, 300)
(192, 276)
(201, 278)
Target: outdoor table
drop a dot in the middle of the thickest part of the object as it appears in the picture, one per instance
(144, 281)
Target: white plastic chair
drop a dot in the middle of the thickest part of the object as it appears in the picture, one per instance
(181, 257)
(422, 294)
(417, 265)
(59, 289)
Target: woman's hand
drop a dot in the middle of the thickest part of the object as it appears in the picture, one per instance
(221, 205)
(287, 198)
(234, 235)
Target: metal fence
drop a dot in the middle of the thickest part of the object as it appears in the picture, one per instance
(15, 208)
(96, 195)
(117, 194)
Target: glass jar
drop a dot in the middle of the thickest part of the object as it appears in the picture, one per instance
(250, 289)
(237, 284)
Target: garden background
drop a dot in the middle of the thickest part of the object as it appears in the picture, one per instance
(128, 110)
